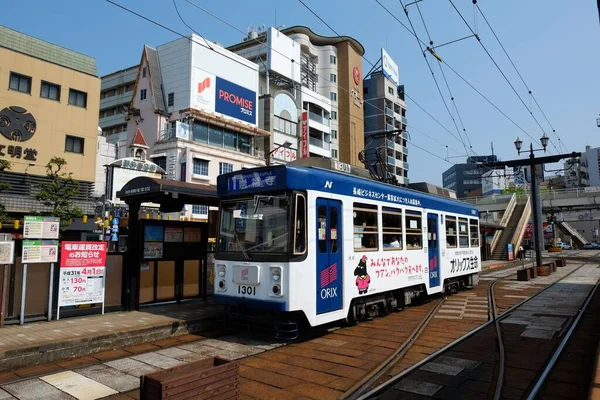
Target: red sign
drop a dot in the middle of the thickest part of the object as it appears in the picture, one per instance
(356, 73)
(304, 141)
(82, 254)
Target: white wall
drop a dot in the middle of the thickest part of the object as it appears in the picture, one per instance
(175, 60)
(105, 154)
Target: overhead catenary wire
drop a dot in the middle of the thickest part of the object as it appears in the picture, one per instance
(189, 27)
(476, 5)
(231, 58)
(501, 72)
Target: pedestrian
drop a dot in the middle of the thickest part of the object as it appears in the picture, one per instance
(521, 252)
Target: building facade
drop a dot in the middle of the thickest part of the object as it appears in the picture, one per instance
(195, 105)
(49, 101)
(584, 171)
(322, 77)
(465, 179)
(385, 110)
(116, 93)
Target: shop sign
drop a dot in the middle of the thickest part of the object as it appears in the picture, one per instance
(17, 125)
(304, 137)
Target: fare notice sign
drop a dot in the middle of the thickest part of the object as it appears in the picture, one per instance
(82, 274)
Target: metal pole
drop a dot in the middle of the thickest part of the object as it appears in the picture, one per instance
(23, 295)
(4, 296)
(534, 206)
(50, 289)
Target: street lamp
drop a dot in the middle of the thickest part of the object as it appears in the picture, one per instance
(544, 140)
(285, 144)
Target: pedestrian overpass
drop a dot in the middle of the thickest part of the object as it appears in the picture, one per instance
(513, 212)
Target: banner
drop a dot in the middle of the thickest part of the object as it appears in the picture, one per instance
(82, 273)
(304, 138)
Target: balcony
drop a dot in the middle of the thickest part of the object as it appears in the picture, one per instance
(319, 143)
(389, 127)
(318, 118)
(404, 121)
(389, 112)
(167, 134)
(391, 161)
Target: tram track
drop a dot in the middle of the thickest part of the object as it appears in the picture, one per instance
(498, 380)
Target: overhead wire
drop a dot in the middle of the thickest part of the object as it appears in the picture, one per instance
(189, 27)
(501, 72)
(233, 59)
(476, 5)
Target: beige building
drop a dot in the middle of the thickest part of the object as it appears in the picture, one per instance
(49, 101)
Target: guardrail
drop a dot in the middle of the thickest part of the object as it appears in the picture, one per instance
(504, 221)
(522, 226)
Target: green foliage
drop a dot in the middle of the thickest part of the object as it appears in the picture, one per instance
(4, 166)
(513, 190)
(58, 193)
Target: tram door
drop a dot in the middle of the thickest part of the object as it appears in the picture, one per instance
(434, 250)
(329, 255)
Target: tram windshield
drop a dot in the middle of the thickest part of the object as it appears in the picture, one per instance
(255, 225)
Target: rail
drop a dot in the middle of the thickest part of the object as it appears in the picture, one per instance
(504, 221)
(522, 226)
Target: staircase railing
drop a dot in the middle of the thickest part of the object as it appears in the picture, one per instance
(573, 232)
(504, 222)
(517, 239)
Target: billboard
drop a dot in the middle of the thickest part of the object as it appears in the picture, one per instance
(182, 130)
(304, 138)
(282, 50)
(389, 67)
(235, 101)
(120, 176)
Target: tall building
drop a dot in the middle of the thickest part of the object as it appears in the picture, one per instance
(584, 171)
(322, 78)
(49, 101)
(116, 93)
(194, 113)
(465, 179)
(385, 110)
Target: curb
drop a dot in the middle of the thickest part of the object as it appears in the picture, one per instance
(52, 352)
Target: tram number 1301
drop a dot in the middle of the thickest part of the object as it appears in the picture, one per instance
(249, 290)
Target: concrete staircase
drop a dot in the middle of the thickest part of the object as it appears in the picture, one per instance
(575, 235)
(500, 251)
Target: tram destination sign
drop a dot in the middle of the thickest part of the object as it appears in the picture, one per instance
(252, 180)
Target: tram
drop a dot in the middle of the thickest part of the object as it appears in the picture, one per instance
(305, 243)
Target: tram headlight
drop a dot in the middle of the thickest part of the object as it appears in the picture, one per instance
(221, 272)
(276, 282)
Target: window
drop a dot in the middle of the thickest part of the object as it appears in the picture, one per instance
(392, 228)
(451, 232)
(50, 91)
(332, 78)
(474, 232)
(333, 96)
(332, 60)
(365, 90)
(219, 137)
(414, 230)
(161, 162)
(300, 225)
(77, 98)
(225, 168)
(20, 83)
(463, 232)
(199, 210)
(333, 134)
(170, 99)
(200, 167)
(334, 115)
(74, 144)
(390, 90)
(334, 153)
(144, 72)
(215, 136)
(285, 126)
(143, 94)
(366, 233)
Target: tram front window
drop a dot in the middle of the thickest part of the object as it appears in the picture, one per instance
(255, 225)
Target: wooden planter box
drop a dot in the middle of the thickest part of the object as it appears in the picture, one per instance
(532, 272)
(206, 379)
(544, 270)
(560, 263)
(523, 274)
(553, 266)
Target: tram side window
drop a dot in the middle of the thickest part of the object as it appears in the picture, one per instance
(392, 228)
(366, 232)
(451, 233)
(474, 233)
(463, 232)
(414, 230)
(300, 225)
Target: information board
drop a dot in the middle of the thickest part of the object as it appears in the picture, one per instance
(7, 252)
(174, 234)
(82, 273)
(41, 227)
(40, 251)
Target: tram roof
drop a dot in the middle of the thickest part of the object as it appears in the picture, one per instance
(281, 177)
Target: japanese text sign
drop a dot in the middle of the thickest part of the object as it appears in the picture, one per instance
(83, 254)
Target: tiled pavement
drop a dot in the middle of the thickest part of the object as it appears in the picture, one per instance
(114, 372)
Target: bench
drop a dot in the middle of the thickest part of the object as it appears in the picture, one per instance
(205, 379)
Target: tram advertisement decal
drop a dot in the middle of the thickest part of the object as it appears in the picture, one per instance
(362, 277)
(463, 260)
(389, 267)
(82, 273)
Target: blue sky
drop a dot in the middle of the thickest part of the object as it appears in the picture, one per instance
(552, 43)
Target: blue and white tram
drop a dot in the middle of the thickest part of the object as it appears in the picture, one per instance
(326, 245)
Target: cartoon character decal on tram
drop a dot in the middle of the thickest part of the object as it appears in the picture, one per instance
(362, 277)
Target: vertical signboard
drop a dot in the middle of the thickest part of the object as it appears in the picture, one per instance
(82, 274)
(389, 67)
(304, 137)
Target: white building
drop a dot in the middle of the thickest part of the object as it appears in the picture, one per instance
(495, 180)
(106, 153)
(585, 171)
(196, 105)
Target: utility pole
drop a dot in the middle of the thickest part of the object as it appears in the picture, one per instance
(536, 206)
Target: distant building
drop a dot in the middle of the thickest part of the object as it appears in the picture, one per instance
(584, 171)
(116, 93)
(495, 181)
(465, 179)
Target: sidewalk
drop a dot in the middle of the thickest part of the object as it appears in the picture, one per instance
(45, 342)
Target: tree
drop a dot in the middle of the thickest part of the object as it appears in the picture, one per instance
(59, 192)
(4, 166)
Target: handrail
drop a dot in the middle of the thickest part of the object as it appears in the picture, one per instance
(522, 226)
(504, 221)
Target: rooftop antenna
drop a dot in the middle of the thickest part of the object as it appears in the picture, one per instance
(492, 148)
